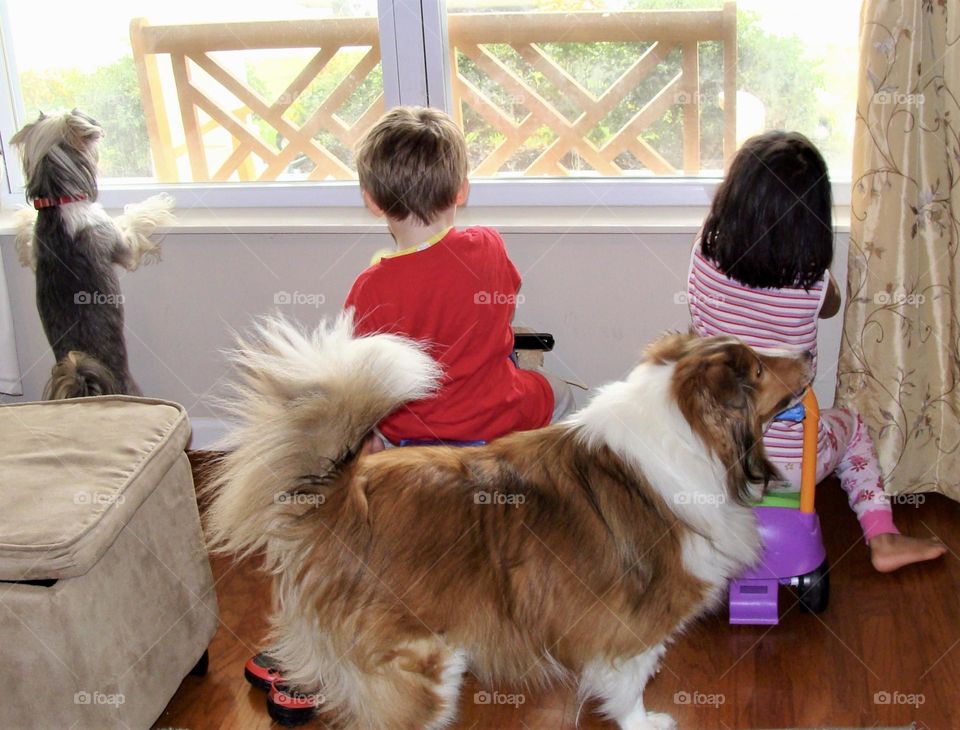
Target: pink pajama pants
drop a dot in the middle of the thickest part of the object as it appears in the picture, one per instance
(845, 447)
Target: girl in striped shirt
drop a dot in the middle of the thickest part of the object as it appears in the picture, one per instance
(759, 271)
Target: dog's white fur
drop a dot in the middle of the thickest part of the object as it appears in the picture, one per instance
(135, 225)
(640, 420)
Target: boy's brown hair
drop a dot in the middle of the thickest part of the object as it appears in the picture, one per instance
(413, 162)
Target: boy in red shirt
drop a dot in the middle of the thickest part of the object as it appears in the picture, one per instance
(454, 290)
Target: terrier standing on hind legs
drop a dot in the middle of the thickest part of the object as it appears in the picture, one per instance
(72, 245)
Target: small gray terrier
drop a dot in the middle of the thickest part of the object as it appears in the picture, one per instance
(72, 245)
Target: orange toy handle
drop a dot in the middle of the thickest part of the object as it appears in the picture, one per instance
(808, 467)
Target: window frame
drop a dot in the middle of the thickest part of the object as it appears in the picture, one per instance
(11, 109)
(413, 37)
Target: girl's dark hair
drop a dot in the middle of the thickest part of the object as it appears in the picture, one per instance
(770, 225)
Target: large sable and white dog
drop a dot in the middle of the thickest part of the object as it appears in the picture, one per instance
(574, 552)
(72, 245)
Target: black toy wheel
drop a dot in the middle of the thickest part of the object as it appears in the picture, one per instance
(200, 668)
(288, 718)
(289, 708)
(814, 589)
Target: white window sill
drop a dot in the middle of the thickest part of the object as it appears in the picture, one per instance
(529, 219)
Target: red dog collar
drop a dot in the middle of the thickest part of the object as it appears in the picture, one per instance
(39, 203)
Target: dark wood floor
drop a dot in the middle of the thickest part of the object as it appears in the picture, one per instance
(884, 637)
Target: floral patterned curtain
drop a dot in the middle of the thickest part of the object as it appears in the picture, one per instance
(900, 353)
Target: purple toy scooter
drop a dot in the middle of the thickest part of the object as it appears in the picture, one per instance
(793, 552)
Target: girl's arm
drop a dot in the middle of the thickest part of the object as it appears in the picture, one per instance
(831, 301)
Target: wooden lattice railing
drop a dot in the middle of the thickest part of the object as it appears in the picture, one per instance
(190, 47)
(195, 43)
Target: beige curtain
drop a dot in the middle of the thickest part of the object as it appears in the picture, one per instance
(900, 354)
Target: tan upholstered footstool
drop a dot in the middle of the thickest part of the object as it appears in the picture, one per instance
(107, 597)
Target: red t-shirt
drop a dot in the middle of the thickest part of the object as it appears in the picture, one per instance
(457, 297)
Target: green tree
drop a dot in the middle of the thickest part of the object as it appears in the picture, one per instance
(109, 94)
(270, 81)
(772, 68)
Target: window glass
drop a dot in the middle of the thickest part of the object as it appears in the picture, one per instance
(231, 92)
(593, 88)
(207, 91)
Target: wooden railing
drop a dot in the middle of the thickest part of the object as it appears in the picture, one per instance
(174, 141)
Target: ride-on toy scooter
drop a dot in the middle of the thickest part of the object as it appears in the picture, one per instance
(793, 552)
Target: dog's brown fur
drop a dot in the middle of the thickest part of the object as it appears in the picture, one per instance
(541, 556)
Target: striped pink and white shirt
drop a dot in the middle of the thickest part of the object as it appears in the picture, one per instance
(766, 319)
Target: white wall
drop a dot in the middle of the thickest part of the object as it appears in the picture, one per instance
(604, 292)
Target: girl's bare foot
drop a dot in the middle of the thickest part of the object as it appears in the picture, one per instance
(890, 551)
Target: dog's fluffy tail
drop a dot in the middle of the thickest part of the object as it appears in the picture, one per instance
(302, 406)
(79, 375)
(137, 224)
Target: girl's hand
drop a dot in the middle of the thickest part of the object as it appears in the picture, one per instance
(831, 301)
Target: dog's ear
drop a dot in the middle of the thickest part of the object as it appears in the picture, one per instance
(711, 384)
(725, 375)
(80, 131)
(20, 138)
(752, 471)
(715, 389)
(670, 347)
(752, 468)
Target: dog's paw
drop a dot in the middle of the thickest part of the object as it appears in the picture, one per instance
(651, 721)
(136, 225)
(24, 219)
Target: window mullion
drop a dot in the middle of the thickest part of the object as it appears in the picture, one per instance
(437, 54)
(402, 52)
(11, 109)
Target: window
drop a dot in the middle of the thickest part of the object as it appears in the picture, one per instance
(644, 87)
(237, 98)
(194, 92)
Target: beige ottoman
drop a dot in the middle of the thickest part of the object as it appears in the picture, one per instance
(107, 598)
